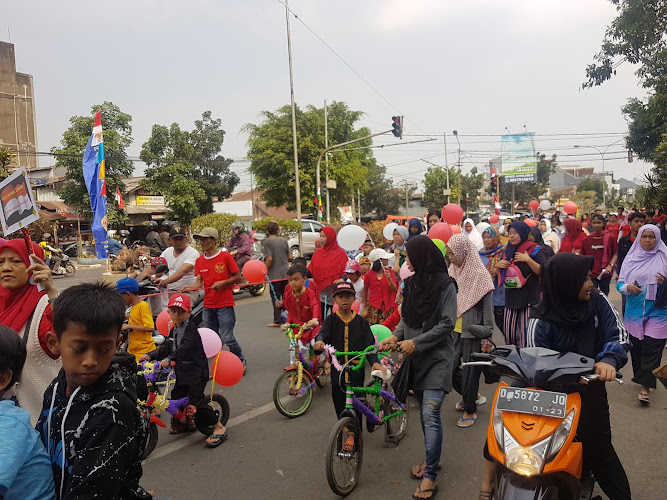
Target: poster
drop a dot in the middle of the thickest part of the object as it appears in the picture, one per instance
(18, 207)
(518, 159)
(346, 214)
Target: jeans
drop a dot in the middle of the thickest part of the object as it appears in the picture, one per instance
(222, 320)
(277, 294)
(466, 380)
(430, 403)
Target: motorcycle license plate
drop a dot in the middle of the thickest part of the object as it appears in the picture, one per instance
(546, 403)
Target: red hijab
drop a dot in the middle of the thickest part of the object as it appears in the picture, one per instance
(573, 237)
(329, 261)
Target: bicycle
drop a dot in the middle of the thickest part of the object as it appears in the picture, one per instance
(344, 460)
(293, 390)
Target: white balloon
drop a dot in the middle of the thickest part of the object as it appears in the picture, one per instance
(388, 231)
(351, 237)
(545, 204)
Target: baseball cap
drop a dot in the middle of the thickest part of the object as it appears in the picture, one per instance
(379, 253)
(343, 288)
(127, 285)
(180, 300)
(352, 266)
(207, 232)
(158, 261)
(177, 232)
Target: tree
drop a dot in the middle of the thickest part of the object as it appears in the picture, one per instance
(592, 184)
(586, 199)
(435, 182)
(196, 157)
(524, 192)
(381, 196)
(271, 153)
(117, 129)
(6, 160)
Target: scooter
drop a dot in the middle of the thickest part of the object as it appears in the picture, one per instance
(65, 268)
(531, 433)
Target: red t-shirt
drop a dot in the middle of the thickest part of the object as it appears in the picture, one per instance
(219, 267)
(302, 309)
(614, 229)
(602, 247)
(379, 293)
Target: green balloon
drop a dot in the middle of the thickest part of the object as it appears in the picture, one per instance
(380, 332)
(441, 245)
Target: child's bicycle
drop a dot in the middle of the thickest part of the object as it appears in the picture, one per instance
(293, 390)
(345, 447)
(158, 401)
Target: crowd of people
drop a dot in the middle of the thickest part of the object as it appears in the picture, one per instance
(542, 281)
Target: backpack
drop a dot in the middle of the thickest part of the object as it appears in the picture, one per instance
(514, 278)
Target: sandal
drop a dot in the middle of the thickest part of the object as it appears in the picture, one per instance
(433, 491)
(486, 495)
(463, 422)
(460, 405)
(218, 440)
(644, 398)
(273, 325)
(348, 446)
(422, 468)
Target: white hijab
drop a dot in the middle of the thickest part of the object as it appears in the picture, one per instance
(473, 235)
(548, 223)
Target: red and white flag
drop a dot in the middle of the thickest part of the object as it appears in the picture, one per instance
(119, 199)
(496, 204)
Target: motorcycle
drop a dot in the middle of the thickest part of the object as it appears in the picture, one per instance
(65, 267)
(531, 433)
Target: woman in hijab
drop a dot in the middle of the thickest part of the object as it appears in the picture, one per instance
(415, 228)
(470, 232)
(663, 231)
(536, 237)
(491, 254)
(326, 266)
(573, 237)
(433, 217)
(474, 306)
(642, 274)
(527, 257)
(549, 236)
(26, 310)
(424, 334)
(401, 235)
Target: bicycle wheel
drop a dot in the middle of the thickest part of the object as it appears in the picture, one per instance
(220, 407)
(344, 467)
(288, 400)
(321, 378)
(395, 427)
(151, 440)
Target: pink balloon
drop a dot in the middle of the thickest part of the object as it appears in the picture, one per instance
(163, 323)
(356, 307)
(570, 208)
(534, 205)
(440, 231)
(494, 219)
(455, 229)
(531, 222)
(452, 214)
(405, 272)
(254, 271)
(227, 369)
(211, 341)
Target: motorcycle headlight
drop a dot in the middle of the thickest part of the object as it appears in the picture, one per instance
(524, 461)
(498, 428)
(560, 436)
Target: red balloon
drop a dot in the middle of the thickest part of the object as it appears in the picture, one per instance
(452, 214)
(254, 271)
(318, 243)
(530, 222)
(570, 208)
(163, 323)
(494, 219)
(356, 307)
(440, 231)
(534, 205)
(455, 229)
(227, 369)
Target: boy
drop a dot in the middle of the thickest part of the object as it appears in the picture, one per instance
(346, 331)
(140, 323)
(303, 307)
(364, 265)
(184, 348)
(353, 276)
(25, 470)
(613, 226)
(90, 424)
(635, 220)
(602, 246)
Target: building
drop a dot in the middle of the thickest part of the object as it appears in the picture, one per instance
(249, 206)
(18, 124)
(141, 206)
(562, 184)
(627, 190)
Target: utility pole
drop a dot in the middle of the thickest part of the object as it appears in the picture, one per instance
(444, 136)
(456, 134)
(326, 160)
(296, 149)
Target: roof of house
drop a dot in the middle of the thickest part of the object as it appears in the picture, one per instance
(560, 179)
(626, 184)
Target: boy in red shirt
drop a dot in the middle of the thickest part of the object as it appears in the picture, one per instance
(602, 246)
(613, 226)
(216, 273)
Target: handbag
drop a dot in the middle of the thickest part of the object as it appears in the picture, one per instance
(514, 278)
(403, 380)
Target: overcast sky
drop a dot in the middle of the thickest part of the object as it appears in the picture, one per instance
(476, 66)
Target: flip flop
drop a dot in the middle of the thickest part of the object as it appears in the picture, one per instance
(460, 405)
(461, 423)
(349, 443)
(221, 438)
(433, 492)
(644, 398)
(273, 325)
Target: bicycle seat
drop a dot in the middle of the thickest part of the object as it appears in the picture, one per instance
(379, 374)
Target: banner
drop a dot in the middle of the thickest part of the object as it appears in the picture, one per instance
(17, 203)
(518, 158)
(346, 214)
(95, 177)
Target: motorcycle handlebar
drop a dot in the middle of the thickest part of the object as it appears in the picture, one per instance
(585, 379)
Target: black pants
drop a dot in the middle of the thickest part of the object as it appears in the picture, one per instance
(466, 380)
(326, 310)
(602, 285)
(278, 290)
(205, 415)
(646, 355)
(338, 392)
(499, 317)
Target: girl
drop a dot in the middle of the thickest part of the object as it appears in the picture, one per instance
(326, 266)
(536, 237)
(379, 291)
(470, 231)
(401, 235)
(433, 217)
(415, 228)
(573, 237)
(491, 254)
(550, 238)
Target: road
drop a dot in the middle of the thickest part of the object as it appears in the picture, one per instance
(270, 456)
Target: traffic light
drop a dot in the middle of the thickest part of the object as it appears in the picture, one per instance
(397, 126)
(493, 184)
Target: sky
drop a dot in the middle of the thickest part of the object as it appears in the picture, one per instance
(481, 67)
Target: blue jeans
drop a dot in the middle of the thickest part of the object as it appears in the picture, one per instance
(430, 403)
(222, 320)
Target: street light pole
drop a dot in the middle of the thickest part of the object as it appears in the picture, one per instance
(444, 136)
(326, 160)
(602, 154)
(456, 134)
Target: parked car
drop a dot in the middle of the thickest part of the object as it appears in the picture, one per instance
(310, 231)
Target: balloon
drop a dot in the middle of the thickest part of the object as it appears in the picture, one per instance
(380, 332)
(440, 231)
(452, 213)
(545, 204)
(211, 341)
(351, 237)
(388, 231)
(318, 243)
(254, 271)
(356, 307)
(163, 323)
(441, 246)
(455, 229)
(530, 222)
(405, 272)
(570, 208)
(227, 368)
(534, 205)
(494, 219)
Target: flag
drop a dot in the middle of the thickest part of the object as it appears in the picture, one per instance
(496, 204)
(95, 177)
(516, 205)
(493, 172)
(119, 199)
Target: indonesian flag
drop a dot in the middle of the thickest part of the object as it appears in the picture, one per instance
(516, 205)
(493, 172)
(496, 204)
(119, 199)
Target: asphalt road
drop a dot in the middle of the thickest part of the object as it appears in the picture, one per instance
(270, 456)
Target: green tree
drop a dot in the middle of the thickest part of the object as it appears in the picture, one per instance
(587, 200)
(6, 160)
(117, 130)
(381, 196)
(271, 152)
(592, 184)
(435, 182)
(524, 192)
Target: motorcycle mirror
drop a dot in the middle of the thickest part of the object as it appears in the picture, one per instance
(480, 331)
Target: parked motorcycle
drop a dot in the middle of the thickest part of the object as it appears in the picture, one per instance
(531, 434)
(255, 289)
(65, 267)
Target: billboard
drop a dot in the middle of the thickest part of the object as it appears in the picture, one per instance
(518, 158)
